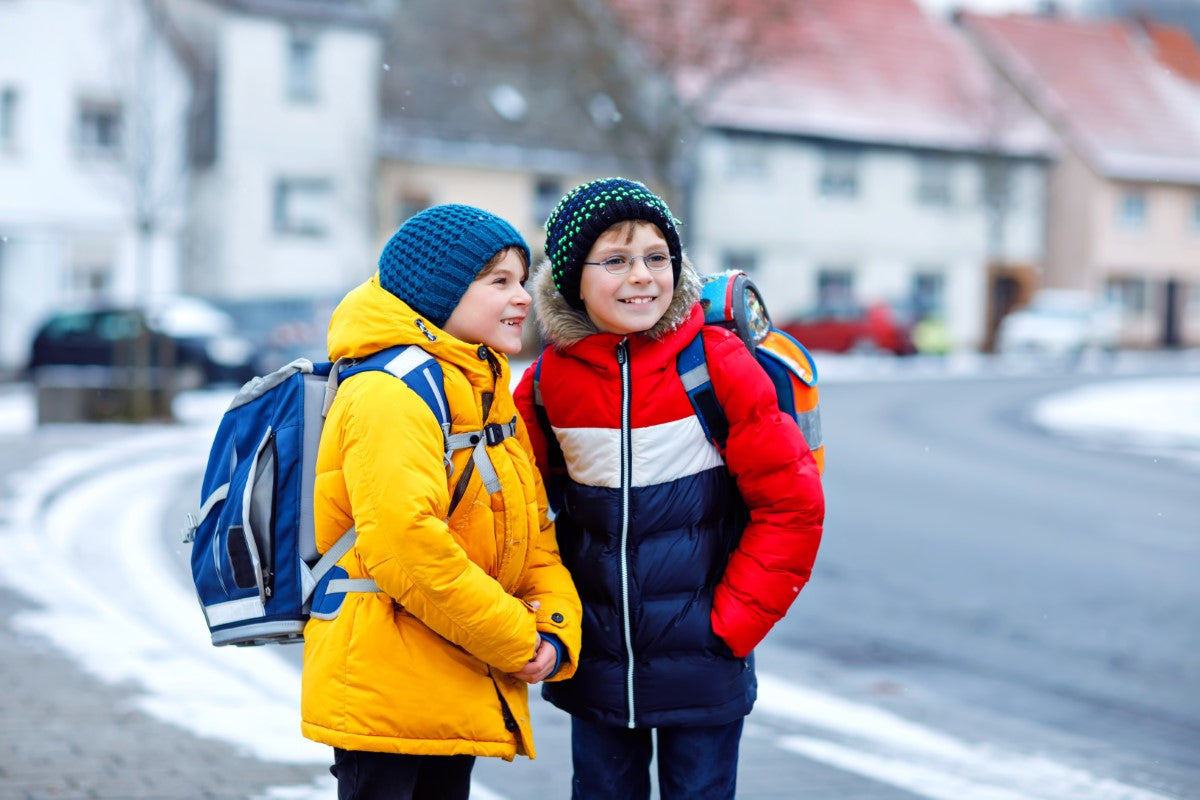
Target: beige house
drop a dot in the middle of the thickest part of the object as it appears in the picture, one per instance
(1124, 196)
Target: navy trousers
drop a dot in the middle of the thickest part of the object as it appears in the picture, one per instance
(363, 775)
(696, 763)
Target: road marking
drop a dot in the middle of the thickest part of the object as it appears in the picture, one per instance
(880, 745)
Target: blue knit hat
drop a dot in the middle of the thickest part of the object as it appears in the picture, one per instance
(434, 257)
(588, 211)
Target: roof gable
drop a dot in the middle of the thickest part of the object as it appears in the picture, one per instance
(1126, 114)
(879, 71)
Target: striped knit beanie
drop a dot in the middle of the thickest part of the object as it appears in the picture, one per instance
(588, 211)
(434, 257)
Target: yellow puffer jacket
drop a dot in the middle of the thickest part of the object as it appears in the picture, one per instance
(423, 667)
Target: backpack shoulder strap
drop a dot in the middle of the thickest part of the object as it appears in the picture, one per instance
(693, 373)
(423, 374)
(420, 371)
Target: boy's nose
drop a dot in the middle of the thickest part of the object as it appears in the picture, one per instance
(522, 298)
(639, 271)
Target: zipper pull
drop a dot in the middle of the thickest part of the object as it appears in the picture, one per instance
(425, 330)
(622, 351)
(486, 355)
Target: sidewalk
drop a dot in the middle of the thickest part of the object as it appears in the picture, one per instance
(66, 734)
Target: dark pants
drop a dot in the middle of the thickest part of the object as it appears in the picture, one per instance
(697, 763)
(362, 775)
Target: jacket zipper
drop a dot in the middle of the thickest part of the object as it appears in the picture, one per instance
(626, 480)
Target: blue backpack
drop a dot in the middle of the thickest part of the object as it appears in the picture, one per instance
(255, 564)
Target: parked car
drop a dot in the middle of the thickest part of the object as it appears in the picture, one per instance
(1059, 322)
(187, 333)
(854, 328)
(283, 329)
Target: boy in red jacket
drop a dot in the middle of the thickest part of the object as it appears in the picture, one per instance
(684, 555)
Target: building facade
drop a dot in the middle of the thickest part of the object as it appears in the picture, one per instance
(93, 171)
(876, 162)
(283, 147)
(1124, 200)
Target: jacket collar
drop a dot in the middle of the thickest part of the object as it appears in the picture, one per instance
(370, 318)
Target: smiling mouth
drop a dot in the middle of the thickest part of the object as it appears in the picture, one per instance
(638, 301)
(514, 323)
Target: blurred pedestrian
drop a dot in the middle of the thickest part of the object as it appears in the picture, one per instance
(410, 683)
(684, 555)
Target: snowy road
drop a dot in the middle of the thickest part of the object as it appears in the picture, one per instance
(86, 542)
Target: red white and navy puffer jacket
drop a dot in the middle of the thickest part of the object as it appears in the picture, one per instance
(684, 556)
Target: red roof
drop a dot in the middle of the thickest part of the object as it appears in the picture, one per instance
(1175, 50)
(878, 71)
(1101, 91)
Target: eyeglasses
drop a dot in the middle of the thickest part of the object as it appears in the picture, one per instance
(619, 265)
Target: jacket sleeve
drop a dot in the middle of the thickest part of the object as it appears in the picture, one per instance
(548, 581)
(779, 482)
(523, 396)
(392, 465)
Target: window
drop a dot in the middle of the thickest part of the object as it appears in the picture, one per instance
(301, 68)
(8, 116)
(743, 260)
(99, 128)
(302, 206)
(835, 286)
(1127, 294)
(839, 171)
(996, 189)
(1132, 211)
(747, 159)
(546, 193)
(933, 180)
(928, 290)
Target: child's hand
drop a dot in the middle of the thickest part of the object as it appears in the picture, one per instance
(540, 665)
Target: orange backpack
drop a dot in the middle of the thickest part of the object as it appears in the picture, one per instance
(731, 300)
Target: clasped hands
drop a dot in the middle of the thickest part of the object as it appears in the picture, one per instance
(542, 663)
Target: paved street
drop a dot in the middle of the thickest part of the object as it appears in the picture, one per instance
(983, 628)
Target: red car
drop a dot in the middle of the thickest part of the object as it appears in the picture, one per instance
(854, 328)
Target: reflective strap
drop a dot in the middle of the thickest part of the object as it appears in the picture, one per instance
(331, 557)
(810, 426)
(234, 611)
(695, 377)
(339, 585)
(219, 494)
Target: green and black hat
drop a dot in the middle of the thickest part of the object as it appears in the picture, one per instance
(588, 211)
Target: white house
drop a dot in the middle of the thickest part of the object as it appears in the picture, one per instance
(93, 178)
(876, 162)
(283, 145)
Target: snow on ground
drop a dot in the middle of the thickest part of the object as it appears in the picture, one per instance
(1146, 414)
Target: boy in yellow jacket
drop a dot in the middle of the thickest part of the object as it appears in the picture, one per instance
(409, 684)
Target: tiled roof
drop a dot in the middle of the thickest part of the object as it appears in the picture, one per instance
(1103, 92)
(1175, 50)
(880, 71)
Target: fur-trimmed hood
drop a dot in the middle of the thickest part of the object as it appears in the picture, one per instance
(563, 326)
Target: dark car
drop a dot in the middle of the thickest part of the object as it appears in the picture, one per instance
(854, 328)
(282, 328)
(184, 333)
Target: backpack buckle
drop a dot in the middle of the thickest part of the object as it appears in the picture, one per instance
(494, 433)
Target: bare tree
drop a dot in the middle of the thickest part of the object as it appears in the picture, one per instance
(643, 71)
